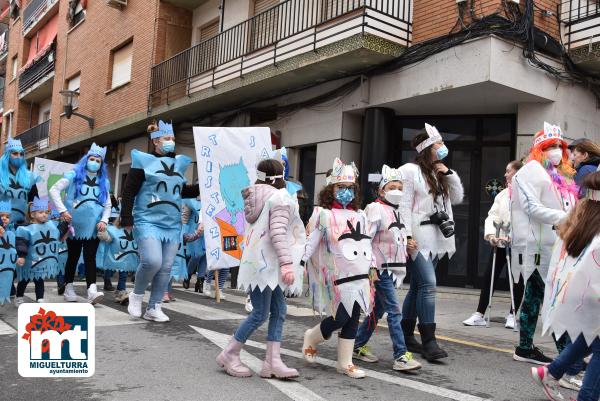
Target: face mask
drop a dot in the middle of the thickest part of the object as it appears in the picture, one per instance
(554, 156)
(168, 146)
(442, 152)
(17, 162)
(344, 196)
(394, 196)
(93, 166)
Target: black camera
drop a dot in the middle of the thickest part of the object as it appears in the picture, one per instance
(441, 219)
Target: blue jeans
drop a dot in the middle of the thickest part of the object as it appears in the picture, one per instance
(156, 260)
(264, 302)
(210, 275)
(122, 284)
(420, 299)
(590, 390)
(197, 265)
(386, 300)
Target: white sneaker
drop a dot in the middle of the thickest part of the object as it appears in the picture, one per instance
(249, 308)
(93, 295)
(19, 301)
(206, 290)
(406, 362)
(70, 295)
(549, 384)
(135, 304)
(476, 319)
(510, 321)
(222, 294)
(156, 314)
(41, 301)
(570, 382)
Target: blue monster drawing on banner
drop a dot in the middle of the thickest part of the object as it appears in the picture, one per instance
(232, 179)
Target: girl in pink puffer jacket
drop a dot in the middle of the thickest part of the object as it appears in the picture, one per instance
(270, 265)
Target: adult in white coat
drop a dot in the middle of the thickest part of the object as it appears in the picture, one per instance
(543, 193)
(430, 190)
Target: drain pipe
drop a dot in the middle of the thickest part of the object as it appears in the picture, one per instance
(222, 17)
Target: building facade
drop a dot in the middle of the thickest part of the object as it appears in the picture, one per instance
(351, 78)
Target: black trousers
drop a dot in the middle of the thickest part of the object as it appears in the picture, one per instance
(74, 248)
(39, 288)
(484, 297)
(234, 271)
(348, 323)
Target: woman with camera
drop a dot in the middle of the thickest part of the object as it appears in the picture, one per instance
(430, 190)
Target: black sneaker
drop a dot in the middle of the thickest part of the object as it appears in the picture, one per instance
(533, 355)
(108, 286)
(61, 289)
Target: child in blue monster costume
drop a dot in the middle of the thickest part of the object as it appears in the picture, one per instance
(37, 249)
(8, 253)
(194, 241)
(87, 209)
(118, 251)
(17, 184)
(151, 204)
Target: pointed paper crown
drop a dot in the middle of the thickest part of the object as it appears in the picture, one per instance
(164, 129)
(389, 174)
(39, 205)
(342, 172)
(550, 132)
(96, 150)
(13, 145)
(114, 213)
(434, 136)
(5, 207)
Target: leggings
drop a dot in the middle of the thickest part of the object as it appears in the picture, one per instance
(39, 288)
(74, 247)
(348, 324)
(484, 297)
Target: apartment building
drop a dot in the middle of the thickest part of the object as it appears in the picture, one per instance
(350, 78)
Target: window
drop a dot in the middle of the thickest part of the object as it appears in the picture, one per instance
(208, 31)
(15, 67)
(76, 13)
(264, 24)
(8, 125)
(73, 85)
(121, 65)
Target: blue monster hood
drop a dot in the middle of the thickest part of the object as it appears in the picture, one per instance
(232, 179)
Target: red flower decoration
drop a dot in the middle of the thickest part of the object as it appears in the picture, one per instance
(44, 321)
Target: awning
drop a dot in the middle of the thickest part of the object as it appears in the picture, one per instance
(42, 41)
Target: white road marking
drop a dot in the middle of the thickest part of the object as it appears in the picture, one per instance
(5, 328)
(292, 389)
(220, 338)
(200, 311)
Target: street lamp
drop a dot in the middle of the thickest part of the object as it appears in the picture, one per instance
(67, 100)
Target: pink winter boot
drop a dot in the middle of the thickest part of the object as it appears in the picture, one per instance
(229, 359)
(274, 366)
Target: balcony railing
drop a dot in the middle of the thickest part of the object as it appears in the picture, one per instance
(36, 72)
(3, 44)
(31, 138)
(34, 11)
(581, 19)
(291, 28)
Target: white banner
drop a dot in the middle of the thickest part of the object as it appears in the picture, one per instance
(227, 159)
(50, 171)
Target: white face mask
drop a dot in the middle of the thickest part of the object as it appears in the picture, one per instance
(554, 156)
(394, 196)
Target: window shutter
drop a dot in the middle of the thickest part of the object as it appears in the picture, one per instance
(122, 65)
(209, 31)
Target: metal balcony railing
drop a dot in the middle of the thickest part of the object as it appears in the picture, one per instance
(34, 10)
(581, 19)
(31, 137)
(3, 43)
(290, 28)
(36, 71)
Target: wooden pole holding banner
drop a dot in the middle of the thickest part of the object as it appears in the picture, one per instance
(217, 287)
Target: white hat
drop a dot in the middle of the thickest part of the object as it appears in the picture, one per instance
(550, 132)
(434, 136)
(389, 174)
(342, 172)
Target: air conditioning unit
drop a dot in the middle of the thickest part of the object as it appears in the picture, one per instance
(117, 3)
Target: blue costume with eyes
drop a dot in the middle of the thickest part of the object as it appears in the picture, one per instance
(120, 253)
(42, 251)
(8, 260)
(157, 208)
(84, 206)
(195, 248)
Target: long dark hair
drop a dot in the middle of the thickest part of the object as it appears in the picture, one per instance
(327, 197)
(583, 223)
(271, 167)
(438, 183)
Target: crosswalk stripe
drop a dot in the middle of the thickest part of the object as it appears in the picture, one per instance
(6, 329)
(200, 311)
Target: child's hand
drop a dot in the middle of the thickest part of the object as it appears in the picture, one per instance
(200, 229)
(411, 245)
(287, 274)
(2, 231)
(20, 261)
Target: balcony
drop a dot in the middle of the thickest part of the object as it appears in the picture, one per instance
(36, 14)
(35, 82)
(35, 138)
(3, 46)
(290, 45)
(581, 21)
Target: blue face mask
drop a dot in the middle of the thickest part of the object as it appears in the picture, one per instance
(168, 146)
(17, 162)
(93, 166)
(344, 196)
(442, 152)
